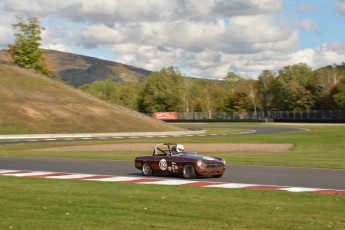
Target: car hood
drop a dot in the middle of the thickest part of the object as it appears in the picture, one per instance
(205, 159)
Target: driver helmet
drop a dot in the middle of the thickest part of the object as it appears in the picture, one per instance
(179, 148)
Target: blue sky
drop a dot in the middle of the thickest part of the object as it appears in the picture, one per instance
(203, 38)
(325, 16)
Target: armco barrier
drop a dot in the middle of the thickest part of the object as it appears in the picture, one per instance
(98, 135)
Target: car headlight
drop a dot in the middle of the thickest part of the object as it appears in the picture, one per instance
(224, 161)
(201, 164)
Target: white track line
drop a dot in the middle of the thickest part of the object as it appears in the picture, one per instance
(71, 176)
(28, 174)
(117, 179)
(231, 185)
(169, 182)
(301, 189)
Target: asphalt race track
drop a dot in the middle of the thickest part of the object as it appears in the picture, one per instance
(254, 130)
(284, 176)
(258, 129)
(266, 175)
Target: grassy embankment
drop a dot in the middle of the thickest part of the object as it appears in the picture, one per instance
(34, 104)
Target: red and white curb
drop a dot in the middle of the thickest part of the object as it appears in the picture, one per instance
(161, 181)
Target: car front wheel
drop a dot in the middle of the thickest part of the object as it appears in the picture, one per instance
(188, 171)
(146, 169)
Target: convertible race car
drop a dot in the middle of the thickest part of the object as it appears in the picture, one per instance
(171, 159)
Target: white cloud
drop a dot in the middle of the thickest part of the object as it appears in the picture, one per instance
(341, 6)
(133, 10)
(35, 8)
(208, 49)
(329, 54)
(242, 35)
(6, 30)
(258, 33)
(52, 43)
(326, 54)
(206, 38)
(308, 25)
(231, 8)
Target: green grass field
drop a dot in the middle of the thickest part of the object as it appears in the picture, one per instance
(62, 204)
(32, 203)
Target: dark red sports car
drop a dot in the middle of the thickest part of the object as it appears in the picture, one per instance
(171, 159)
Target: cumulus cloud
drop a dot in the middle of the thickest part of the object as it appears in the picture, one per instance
(204, 38)
(133, 10)
(330, 53)
(49, 41)
(35, 8)
(205, 49)
(241, 35)
(325, 54)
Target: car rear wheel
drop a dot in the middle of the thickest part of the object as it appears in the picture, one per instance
(146, 169)
(188, 171)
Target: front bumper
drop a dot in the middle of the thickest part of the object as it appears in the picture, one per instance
(210, 172)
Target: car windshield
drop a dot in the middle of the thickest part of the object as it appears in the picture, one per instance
(184, 153)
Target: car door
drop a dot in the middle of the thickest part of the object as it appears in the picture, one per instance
(162, 164)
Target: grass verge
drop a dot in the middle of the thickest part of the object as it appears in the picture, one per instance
(32, 203)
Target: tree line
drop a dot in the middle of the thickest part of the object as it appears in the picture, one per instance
(292, 88)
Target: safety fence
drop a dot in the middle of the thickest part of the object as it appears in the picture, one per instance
(312, 114)
(278, 116)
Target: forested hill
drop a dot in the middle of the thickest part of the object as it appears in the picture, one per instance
(293, 88)
(31, 103)
(78, 70)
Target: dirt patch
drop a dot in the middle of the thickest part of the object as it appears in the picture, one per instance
(148, 147)
(31, 112)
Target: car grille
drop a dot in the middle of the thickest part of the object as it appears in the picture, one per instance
(214, 166)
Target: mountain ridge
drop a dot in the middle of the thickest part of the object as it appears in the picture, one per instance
(78, 69)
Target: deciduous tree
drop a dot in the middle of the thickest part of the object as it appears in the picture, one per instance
(338, 95)
(162, 92)
(26, 50)
(264, 90)
(290, 90)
